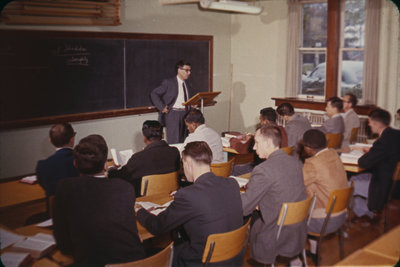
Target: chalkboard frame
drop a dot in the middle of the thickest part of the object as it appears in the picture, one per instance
(46, 120)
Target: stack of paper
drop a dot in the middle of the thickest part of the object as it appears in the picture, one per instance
(8, 238)
(29, 179)
(352, 157)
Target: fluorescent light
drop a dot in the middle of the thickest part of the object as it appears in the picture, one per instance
(230, 6)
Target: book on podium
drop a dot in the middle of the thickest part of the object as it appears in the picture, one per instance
(202, 98)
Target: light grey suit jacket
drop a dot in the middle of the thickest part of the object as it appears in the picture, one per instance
(278, 179)
(295, 128)
(333, 125)
(351, 121)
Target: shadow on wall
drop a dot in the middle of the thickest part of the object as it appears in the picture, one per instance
(238, 96)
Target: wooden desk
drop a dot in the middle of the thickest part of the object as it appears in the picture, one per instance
(352, 168)
(383, 251)
(239, 158)
(15, 192)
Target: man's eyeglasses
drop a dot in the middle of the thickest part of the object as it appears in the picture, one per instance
(187, 70)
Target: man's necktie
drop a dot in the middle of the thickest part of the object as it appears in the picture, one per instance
(184, 94)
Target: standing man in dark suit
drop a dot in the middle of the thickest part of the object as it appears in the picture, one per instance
(381, 160)
(211, 205)
(168, 99)
(278, 179)
(94, 217)
(156, 158)
(59, 165)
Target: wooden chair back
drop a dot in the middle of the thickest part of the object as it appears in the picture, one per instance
(353, 135)
(225, 246)
(161, 259)
(339, 200)
(223, 169)
(295, 212)
(159, 183)
(334, 140)
(288, 150)
(396, 177)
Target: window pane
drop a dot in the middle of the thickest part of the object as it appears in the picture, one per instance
(354, 23)
(352, 73)
(313, 73)
(315, 23)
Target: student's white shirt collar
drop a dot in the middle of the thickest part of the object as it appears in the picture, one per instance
(99, 176)
(319, 152)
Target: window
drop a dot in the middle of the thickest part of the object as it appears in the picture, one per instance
(327, 55)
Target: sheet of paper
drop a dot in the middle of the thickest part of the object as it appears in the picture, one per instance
(46, 223)
(13, 259)
(29, 179)
(241, 181)
(8, 238)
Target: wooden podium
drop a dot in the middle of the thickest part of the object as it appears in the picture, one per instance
(201, 98)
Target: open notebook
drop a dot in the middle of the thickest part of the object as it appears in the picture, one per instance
(355, 154)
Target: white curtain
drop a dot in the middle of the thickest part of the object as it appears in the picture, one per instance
(292, 58)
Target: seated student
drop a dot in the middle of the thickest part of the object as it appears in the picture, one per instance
(156, 158)
(198, 131)
(323, 172)
(296, 124)
(381, 160)
(59, 165)
(94, 217)
(268, 117)
(278, 179)
(211, 205)
(335, 123)
(350, 117)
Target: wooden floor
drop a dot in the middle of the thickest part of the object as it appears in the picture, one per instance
(358, 234)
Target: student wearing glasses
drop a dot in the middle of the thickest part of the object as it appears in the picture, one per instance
(168, 99)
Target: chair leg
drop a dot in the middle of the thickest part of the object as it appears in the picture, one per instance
(318, 250)
(304, 258)
(340, 243)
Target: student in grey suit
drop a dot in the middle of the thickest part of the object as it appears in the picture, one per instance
(278, 179)
(211, 205)
(168, 99)
(296, 125)
(350, 117)
(335, 123)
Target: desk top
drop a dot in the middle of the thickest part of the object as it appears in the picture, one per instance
(15, 192)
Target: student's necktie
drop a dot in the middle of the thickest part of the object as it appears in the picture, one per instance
(184, 94)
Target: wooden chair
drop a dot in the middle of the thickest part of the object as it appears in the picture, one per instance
(396, 178)
(159, 183)
(353, 135)
(288, 150)
(334, 140)
(224, 246)
(295, 212)
(223, 169)
(338, 202)
(161, 259)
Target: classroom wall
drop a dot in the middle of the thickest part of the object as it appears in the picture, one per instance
(255, 47)
(20, 149)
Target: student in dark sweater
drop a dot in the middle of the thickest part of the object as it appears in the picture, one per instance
(94, 217)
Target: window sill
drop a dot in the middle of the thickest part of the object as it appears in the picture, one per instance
(318, 104)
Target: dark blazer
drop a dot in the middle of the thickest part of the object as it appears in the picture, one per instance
(55, 168)
(211, 205)
(276, 180)
(156, 158)
(94, 221)
(166, 94)
(381, 160)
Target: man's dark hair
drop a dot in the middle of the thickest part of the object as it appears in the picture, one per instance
(380, 115)
(61, 133)
(272, 132)
(268, 114)
(199, 151)
(152, 130)
(398, 111)
(194, 115)
(336, 102)
(314, 139)
(353, 99)
(285, 109)
(181, 63)
(91, 154)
